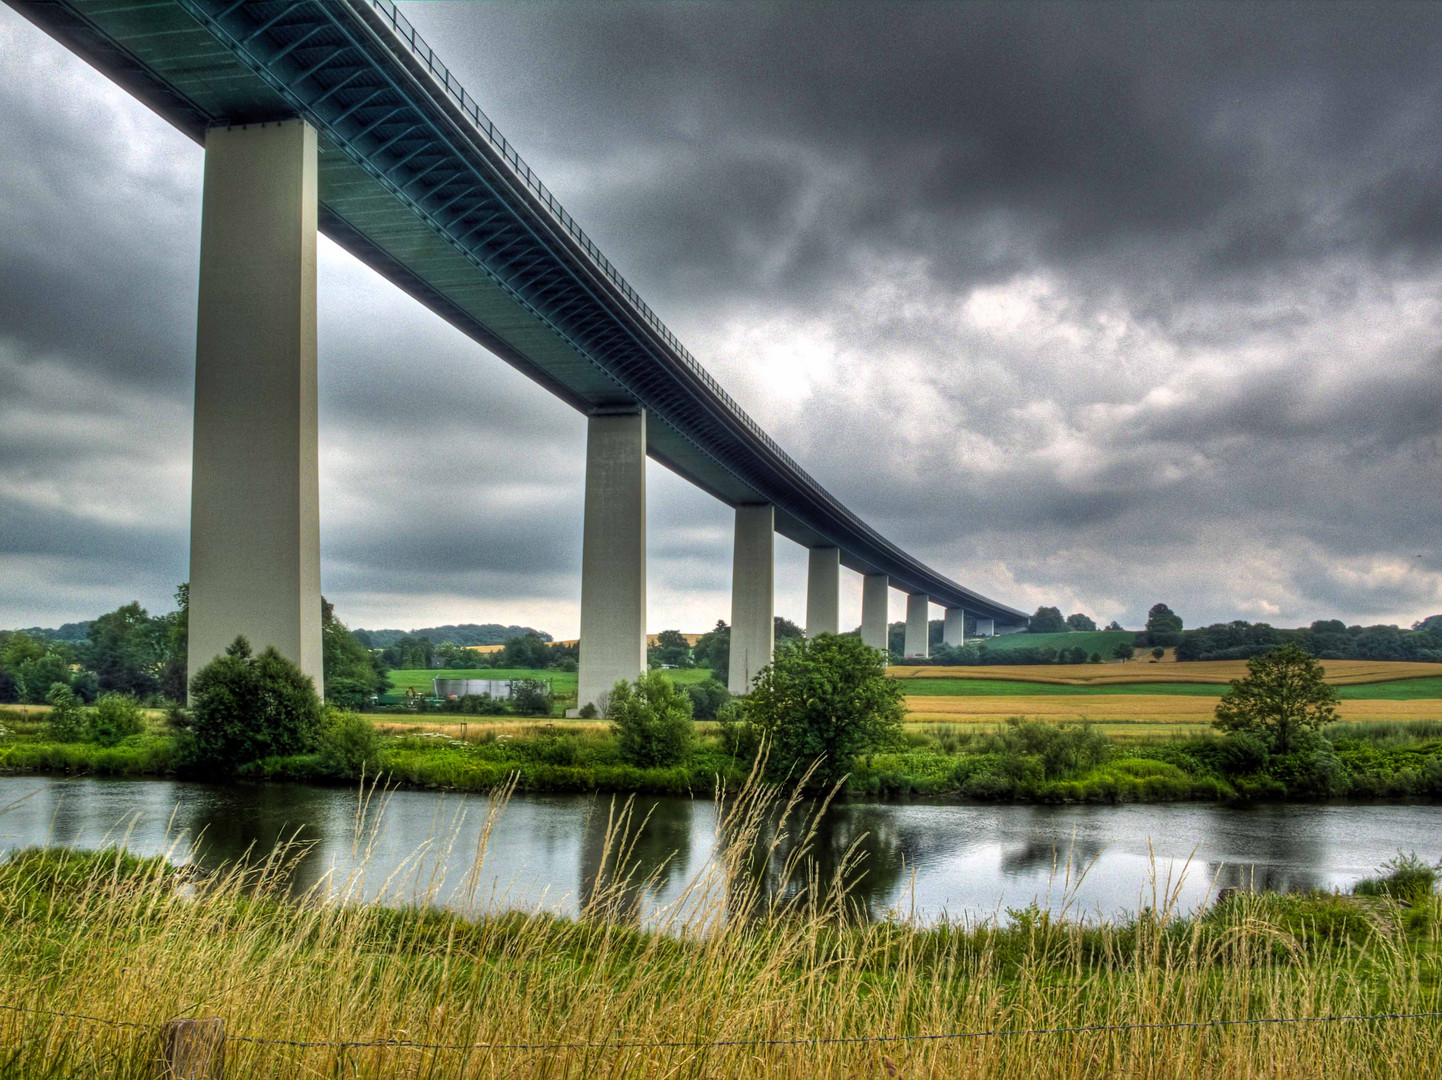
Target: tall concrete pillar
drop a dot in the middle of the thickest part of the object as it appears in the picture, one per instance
(918, 625)
(875, 599)
(823, 592)
(985, 627)
(613, 555)
(753, 580)
(953, 630)
(254, 503)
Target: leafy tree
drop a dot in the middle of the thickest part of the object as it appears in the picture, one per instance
(1114, 625)
(126, 649)
(115, 717)
(1282, 696)
(526, 651)
(1080, 622)
(35, 677)
(829, 697)
(651, 720)
(1158, 652)
(1164, 626)
(352, 672)
(714, 651)
(66, 720)
(1047, 620)
(1124, 650)
(670, 650)
(245, 707)
(16, 647)
(786, 630)
(177, 634)
(672, 639)
(531, 697)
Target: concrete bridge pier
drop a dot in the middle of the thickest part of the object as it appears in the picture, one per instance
(918, 625)
(613, 555)
(875, 598)
(985, 627)
(823, 591)
(254, 505)
(953, 630)
(753, 595)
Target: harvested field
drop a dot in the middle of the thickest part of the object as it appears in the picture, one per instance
(1130, 708)
(1219, 672)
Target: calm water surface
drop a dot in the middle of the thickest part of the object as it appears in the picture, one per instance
(546, 851)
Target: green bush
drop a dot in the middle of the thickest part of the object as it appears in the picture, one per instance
(66, 722)
(1403, 877)
(115, 717)
(244, 708)
(531, 697)
(651, 720)
(348, 743)
(707, 698)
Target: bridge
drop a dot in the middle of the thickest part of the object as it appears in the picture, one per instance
(338, 117)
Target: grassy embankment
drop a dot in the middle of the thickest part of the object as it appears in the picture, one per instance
(727, 985)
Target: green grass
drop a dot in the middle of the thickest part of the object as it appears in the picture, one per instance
(1395, 690)
(563, 683)
(1100, 641)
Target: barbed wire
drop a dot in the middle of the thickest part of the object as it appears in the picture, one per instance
(815, 1040)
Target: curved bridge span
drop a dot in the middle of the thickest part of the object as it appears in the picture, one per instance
(337, 116)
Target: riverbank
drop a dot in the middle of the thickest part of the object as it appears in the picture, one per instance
(99, 949)
(1016, 761)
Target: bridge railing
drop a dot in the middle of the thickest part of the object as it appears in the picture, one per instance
(408, 35)
(523, 172)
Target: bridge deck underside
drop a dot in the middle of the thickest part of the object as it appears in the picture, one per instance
(416, 183)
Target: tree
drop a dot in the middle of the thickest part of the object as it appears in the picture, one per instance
(651, 720)
(352, 672)
(1047, 620)
(707, 698)
(35, 677)
(1164, 626)
(1282, 695)
(244, 708)
(1114, 625)
(1124, 650)
(127, 649)
(714, 651)
(1080, 622)
(115, 717)
(1158, 652)
(825, 697)
(786, 630)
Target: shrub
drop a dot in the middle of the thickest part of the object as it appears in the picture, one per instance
(531, 697)
(115, 717)
(560, 750)
(66, 720)
(587, 711)
(1403, 877)
(707, 698)
(1241, 753)
(651, 720)
(826, 697)
(244, 708)
(348, 743)
(739, 736)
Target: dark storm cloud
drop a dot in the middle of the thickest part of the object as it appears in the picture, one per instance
(1084, 304)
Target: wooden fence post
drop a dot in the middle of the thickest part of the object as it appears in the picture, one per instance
(193, 1049)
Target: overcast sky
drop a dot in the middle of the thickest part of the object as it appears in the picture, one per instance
(1091, 306)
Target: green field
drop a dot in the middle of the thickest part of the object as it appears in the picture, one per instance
(1395, 690)
(1098, 641)
(563, 683)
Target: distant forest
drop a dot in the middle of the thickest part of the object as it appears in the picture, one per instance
(464, 634)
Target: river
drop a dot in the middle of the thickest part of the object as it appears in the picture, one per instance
(546, 851)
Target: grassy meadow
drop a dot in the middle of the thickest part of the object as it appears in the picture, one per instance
(1093, 641)
(726, 984)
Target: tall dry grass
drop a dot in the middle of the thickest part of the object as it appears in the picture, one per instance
(738, 979)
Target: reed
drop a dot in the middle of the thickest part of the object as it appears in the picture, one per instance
(739, 978)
